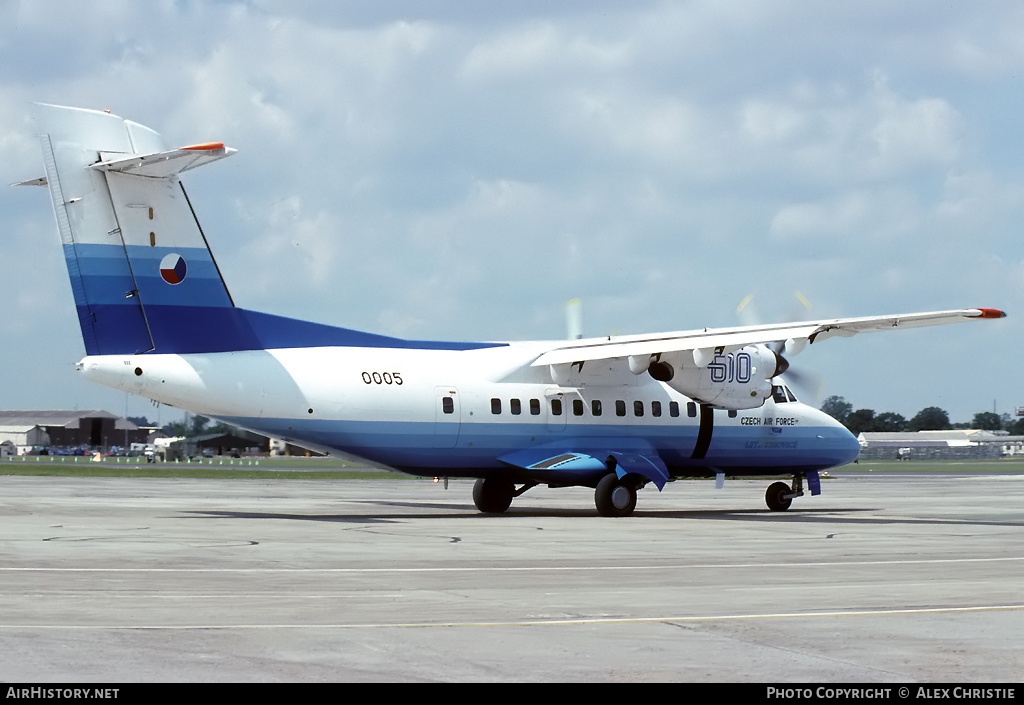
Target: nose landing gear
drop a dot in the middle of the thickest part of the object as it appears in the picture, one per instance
(780, 495)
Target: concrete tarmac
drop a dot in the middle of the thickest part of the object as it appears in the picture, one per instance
(882, 578)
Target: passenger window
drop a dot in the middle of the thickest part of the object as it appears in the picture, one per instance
(620, 408)
(515, 407)
(655, 408)
(638, 408)
(495, 406)
(577, 407)
(673, 409)
(448, 405)
(595, 407)
(691, 409)
(732, 413)
(535, 407)
(556, 407)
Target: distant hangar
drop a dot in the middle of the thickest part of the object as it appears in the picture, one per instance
(954, 444)
(21, 431)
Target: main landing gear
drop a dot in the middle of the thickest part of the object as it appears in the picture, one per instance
(615, 497)
(493, 495)
(780, 495)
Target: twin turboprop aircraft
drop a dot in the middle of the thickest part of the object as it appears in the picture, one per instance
(614, 414)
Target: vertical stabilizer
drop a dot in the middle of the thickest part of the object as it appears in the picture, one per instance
(142, 274)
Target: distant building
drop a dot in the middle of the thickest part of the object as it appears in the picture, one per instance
(966, 444)
(65, 430)
(235, 444)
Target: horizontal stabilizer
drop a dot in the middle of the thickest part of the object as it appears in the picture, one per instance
(41, 181)
(164, 164)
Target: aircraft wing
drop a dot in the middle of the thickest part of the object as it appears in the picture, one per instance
(705, 343)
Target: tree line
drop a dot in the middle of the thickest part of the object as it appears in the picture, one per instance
(931, 418)
(193, 425)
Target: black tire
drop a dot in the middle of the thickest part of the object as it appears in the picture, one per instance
(493, 495)
(614, 498)
(776, 498)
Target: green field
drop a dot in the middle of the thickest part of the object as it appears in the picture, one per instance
(332, 469)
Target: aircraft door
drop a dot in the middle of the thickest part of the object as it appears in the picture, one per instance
(556, 409)
(447, 417)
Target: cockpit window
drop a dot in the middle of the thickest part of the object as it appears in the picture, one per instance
(782, 394)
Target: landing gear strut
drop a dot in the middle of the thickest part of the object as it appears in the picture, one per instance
(493, 495)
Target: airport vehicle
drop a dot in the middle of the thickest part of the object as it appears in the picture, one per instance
(615, 414)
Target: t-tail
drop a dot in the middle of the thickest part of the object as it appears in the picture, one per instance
(142, 273)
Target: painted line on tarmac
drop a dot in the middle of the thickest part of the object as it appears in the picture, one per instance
(531, 622)
(513, 569)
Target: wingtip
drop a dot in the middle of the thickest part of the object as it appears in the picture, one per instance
(989, 313)
(205, 147)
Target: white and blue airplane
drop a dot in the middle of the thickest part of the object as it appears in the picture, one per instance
(614, 413)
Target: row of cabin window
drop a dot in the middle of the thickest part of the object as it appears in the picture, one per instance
(579, 408)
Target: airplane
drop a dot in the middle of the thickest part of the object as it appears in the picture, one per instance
(613, 413)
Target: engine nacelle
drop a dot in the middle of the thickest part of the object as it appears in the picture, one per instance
(736, 380)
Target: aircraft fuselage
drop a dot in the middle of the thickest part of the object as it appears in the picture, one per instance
(457, 413)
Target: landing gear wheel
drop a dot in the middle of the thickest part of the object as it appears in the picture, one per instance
(776, 498)
(493, 495)
(614, 498)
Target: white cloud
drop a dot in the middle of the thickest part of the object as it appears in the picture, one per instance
(537, 50)
(914, 133)
(822, 219)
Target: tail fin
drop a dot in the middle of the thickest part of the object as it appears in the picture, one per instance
(142, 273)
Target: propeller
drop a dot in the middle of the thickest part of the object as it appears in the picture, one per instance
(574, 319)
(808, 385)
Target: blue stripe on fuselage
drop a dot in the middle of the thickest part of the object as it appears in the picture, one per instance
(408, 446)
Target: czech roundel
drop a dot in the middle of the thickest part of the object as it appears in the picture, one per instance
(173, 268)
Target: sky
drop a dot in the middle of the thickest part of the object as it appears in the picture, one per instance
(460, 170)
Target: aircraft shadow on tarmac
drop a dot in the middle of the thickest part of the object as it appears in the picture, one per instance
(427, 511)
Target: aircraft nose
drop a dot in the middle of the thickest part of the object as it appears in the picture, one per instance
(853, 446)
(835, 442)
(846, 444)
